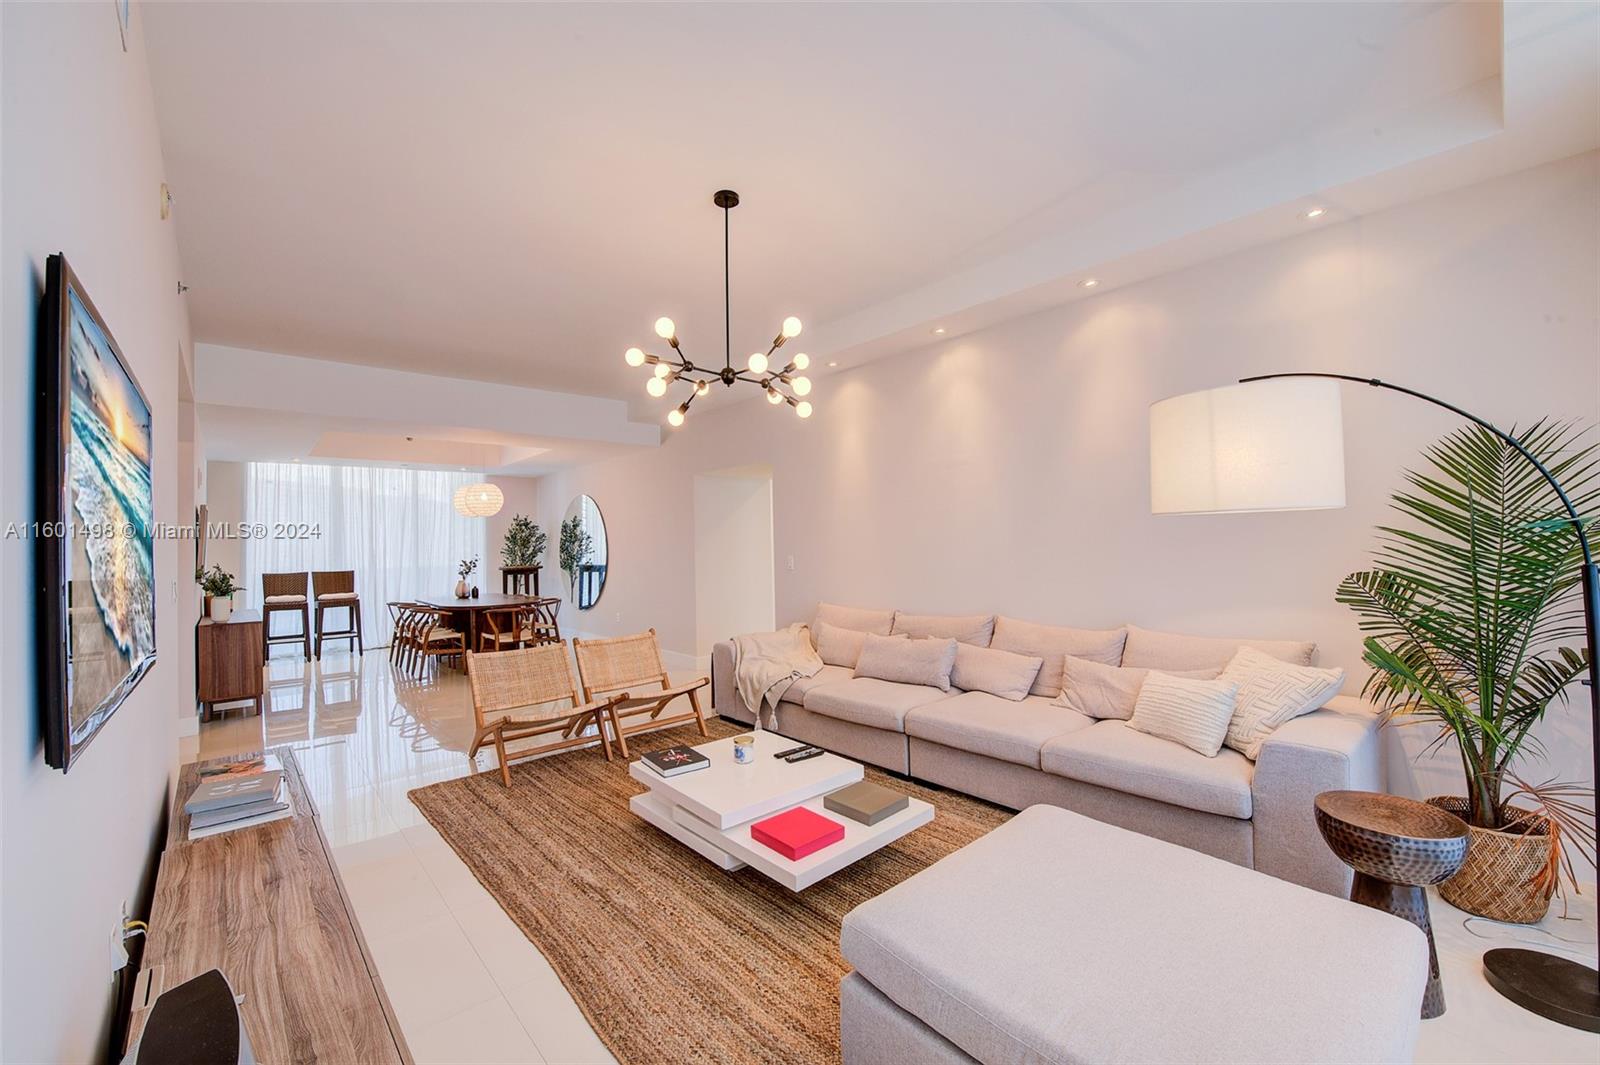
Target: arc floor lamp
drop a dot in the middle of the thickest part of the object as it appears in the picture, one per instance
(1276, 442)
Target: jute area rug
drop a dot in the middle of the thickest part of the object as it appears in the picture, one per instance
(669, 957)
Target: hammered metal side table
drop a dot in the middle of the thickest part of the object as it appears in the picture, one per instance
(1397, 847)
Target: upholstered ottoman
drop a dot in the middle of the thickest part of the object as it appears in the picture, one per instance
(1056, 938)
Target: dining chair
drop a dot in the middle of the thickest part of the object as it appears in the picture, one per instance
(632, 665)
(500, 629)
(334, 590)
(284, 593)
(529, 680)
(539, 621)
(432, 638)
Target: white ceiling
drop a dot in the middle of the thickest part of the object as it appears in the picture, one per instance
(513, 193)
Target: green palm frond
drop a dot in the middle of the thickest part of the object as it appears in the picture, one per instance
(1471, 597)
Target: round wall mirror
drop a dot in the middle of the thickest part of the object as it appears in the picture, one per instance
(583, 552)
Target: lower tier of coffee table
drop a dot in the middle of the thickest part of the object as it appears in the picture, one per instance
(734, 848)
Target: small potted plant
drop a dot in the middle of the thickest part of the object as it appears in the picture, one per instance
(524, 544)
(219, 587)
(467, 567)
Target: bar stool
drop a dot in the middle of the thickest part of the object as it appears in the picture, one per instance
(284, 593)
(335, 589)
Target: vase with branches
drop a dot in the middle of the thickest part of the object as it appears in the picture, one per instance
(1470, 611)
(524, 543)
(576, 546)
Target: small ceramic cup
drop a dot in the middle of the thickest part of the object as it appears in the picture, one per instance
(744, 749)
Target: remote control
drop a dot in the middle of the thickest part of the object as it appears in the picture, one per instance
(793, 750)
(803, 755)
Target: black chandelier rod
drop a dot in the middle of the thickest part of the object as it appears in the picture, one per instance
(727, 298)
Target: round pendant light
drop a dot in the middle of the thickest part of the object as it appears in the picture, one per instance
(479, 500)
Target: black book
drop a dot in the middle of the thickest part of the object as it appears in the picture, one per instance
(675, 760)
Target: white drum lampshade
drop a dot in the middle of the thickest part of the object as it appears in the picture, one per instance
(479, 500)
(1266, 445)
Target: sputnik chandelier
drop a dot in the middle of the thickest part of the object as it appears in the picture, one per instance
(783, 384)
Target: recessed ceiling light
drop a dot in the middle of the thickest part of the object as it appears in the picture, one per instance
(832, 364)
(1089, 282)
(1316, 212)
(297, 460)
(938, 330)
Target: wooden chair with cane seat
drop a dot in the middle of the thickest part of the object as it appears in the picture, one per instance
(539, 625)
(432, 638)
(501, 630)
(284, 593)
(632, 665)
(529, 680)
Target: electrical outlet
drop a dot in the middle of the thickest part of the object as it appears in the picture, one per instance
(119, 949)
(790, 563)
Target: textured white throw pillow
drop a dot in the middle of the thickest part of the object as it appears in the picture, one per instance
(1194, 713)
(984, 669)
(976, 629)
(1272, 692)
(1097, 690)
(838, 646)
(907, 661)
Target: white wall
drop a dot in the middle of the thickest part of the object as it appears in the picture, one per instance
(733, 567)
(81, 174)
(522, 497)
(225, 511)
(1007, 470)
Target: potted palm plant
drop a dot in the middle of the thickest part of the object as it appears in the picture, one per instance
(1468, 610)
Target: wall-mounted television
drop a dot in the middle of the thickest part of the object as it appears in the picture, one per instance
(96, 548)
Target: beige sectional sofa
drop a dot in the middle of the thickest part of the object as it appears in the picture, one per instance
(1257, 814)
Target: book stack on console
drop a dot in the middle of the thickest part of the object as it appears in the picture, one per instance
(238, 794)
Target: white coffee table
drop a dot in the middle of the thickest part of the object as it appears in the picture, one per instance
(710, 810)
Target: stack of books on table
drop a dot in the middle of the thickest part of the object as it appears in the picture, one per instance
(675, 761)
(238, 794)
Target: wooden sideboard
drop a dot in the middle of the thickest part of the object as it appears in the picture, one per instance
(266, 906)
(228, 661)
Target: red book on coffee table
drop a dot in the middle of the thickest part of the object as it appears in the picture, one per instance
(797, 833)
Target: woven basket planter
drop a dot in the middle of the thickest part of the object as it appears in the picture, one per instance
(1508, 876)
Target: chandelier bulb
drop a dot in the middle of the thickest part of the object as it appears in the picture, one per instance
(665, 329)
(801, 386)
(803, 409)
(791, 327)
(675, 417)
(702, 387)
(656, 387)
(800, 361)
(773, 396)
(662, 369)
(634, 357)
(758, 362)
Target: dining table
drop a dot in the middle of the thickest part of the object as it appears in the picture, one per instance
(464, 613)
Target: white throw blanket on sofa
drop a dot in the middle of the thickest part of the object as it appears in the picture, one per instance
(766, 663)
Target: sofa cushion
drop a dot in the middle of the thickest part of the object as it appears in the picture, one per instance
(1002, 673)
(1052, 643)
(1271, 693)
(796, 692)
(1108, 692)
(1149, 649)
(838, 646)
(976, 629)
(1194, 713)
(871, 702)
(1055, 938)
(907, 661)
(854, 617)
(987, 724)
(1112, 755)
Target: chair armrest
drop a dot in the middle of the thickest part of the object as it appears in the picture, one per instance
(651, 697)
(1329, 749)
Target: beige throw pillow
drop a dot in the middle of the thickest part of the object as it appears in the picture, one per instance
(1271, 693)
(984, 669)
(907, 661)
(1054, 643)
(839, 647)
(976, 629)
(1194, 713)
(1109, 692)
(1149, 649)
(854, 617)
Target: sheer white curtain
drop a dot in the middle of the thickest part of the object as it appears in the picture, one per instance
(396, 528)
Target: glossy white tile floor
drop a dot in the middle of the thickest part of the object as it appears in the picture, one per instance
(466, 984)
